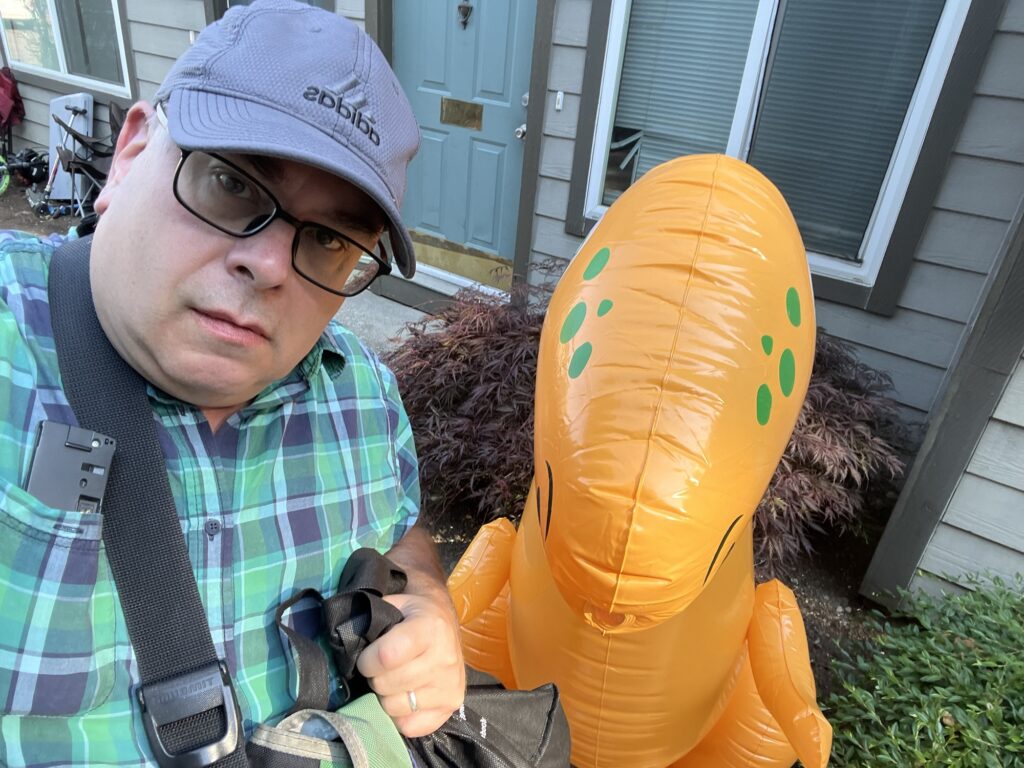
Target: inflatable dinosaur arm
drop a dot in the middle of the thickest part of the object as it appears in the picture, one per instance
(780, 661)
(745, 735)
(480, 590)
(772, 716)
(485, 643)
(482, 571)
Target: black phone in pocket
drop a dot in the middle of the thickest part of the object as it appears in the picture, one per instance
(70, 467)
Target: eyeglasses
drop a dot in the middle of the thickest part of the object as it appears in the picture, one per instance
(230, 199)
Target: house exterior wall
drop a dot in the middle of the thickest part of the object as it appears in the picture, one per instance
(983, 524)
(983, 184)
(34, 130)
(158, 32)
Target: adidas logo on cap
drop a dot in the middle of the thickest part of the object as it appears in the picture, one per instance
(335, 100)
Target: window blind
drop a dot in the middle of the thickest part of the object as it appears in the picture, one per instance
(840, 79)
(681, 74)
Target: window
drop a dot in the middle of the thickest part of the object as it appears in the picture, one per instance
(828, 98)
(76, 41)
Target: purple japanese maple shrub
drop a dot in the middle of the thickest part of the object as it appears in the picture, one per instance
(467, 379)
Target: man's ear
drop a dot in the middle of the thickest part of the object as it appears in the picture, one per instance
(134, 136)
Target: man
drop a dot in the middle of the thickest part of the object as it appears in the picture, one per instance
(242, 207)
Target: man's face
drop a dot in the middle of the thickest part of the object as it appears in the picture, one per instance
(209, 318)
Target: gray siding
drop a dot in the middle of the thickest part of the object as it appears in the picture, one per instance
(568, 55)
(983, 186)
(983, 524)
(160, 32)
(34, 130)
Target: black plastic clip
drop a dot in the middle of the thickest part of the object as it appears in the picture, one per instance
(185, 696)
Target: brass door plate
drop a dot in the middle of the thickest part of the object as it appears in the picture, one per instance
(465, 114)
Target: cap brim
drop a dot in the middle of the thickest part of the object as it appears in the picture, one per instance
(198, 120)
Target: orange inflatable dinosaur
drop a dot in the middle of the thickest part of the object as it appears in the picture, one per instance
(673, 363)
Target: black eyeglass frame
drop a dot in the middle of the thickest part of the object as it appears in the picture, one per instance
(383, 266)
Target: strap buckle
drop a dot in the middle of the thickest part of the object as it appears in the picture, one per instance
(186, 696)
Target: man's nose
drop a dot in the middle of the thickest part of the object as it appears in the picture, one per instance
(264, 259)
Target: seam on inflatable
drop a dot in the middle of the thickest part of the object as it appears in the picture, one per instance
(668, 368)
(604, 692)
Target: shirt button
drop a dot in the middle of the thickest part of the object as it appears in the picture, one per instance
(212, 528)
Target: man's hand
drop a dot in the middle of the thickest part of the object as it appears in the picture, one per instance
(423, 654)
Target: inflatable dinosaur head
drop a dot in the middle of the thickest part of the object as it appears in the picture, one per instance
(689, 308)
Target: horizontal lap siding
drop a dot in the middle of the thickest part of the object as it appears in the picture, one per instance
(35, 130)
(983, 186)
(958, 556)
(160, 32)
(982, 528)
(551, 243)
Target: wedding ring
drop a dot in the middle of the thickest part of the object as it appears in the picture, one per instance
(413, 705)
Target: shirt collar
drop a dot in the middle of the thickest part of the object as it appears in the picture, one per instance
(325, 353)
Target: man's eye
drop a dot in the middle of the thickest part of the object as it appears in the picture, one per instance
(327, 239)
(232, 184)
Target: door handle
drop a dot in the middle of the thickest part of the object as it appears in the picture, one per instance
(465, 11)
(520, 132)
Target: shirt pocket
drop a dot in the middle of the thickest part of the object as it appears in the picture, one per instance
(58, 609)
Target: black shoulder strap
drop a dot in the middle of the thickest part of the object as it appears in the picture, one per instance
(189, 707)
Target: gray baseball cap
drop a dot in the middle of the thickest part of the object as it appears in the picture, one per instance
(289, 80)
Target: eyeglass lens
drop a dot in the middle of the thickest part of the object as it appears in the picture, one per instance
(227, 197)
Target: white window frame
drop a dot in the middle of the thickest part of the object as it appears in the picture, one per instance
(63, 75)
(901, 164)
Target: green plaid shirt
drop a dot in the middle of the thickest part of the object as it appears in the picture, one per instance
(319, 464)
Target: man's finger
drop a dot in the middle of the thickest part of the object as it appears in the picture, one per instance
(427, 699)
(422, 723)
(419, 672)
(397, 648)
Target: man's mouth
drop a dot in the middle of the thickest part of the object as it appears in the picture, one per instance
(233, 329)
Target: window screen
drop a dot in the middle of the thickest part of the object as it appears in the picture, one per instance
(839, 82)
(681, 74)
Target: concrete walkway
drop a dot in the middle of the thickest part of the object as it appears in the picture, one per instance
(378, 321)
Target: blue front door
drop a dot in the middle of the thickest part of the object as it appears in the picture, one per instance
(466, 71)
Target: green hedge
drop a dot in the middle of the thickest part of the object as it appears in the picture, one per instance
(942, 685)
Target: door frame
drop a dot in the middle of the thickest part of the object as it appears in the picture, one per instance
(380, 26)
